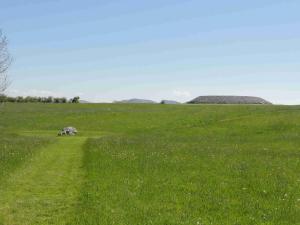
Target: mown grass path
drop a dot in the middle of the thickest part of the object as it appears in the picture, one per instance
(44, 191)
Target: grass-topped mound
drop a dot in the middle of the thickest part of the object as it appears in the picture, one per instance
(229, 100)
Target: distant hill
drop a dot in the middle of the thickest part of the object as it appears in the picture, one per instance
(228, 100)
(136, 100)
(169, 102)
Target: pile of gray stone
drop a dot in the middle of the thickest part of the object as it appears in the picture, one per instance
(70, 131)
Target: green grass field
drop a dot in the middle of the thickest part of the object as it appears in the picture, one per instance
(150, 164)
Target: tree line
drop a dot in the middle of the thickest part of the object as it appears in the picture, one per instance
(5, 61)
(30, 99)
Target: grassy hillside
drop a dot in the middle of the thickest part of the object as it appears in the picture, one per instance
(150, 164)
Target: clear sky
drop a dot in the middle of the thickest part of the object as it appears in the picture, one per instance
(105, 50)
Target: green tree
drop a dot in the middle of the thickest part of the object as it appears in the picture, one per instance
(75, 99)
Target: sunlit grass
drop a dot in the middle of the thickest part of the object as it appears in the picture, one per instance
(151, 164)
(15, 150)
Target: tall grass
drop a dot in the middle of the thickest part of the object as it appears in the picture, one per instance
(179, 164)
(15, 150)
(239, 170)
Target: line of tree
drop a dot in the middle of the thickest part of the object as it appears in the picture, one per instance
(30, 99)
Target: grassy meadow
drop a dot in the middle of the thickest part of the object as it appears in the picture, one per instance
(150, 164)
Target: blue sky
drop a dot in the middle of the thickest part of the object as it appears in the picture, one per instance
(104, 50)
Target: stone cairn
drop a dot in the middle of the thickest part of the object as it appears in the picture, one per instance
(69, 131)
